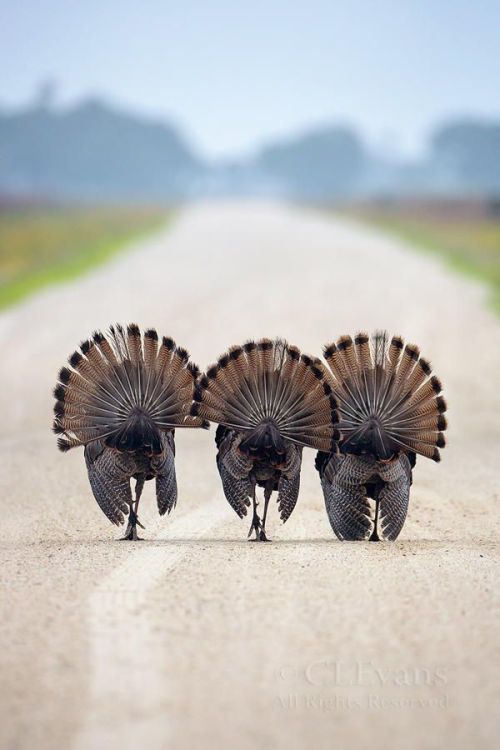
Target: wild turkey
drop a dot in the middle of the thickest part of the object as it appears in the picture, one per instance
(390, 410)
(269, 401)
(122, 398)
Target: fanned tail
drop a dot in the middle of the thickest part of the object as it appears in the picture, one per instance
(389, 401)
(270, 391)
(124, 389)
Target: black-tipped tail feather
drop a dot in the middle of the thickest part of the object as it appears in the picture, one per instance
(389, 401)
(271, 392)
(124, 389)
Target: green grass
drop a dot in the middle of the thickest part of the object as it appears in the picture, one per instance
(43, 246)
(469, 244)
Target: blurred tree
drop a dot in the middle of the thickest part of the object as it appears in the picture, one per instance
(469, 150)
(329, 162)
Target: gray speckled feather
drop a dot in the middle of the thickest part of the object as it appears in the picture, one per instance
(394, 498)
(166, 481)
(109, 478)
(234, 469)
(344, 480)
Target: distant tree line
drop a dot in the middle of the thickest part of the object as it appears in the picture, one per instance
(94, 152)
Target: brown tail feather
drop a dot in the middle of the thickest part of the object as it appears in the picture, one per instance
(124, 389)
(270, 381)
(389, 401)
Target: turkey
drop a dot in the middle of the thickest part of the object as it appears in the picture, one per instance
(390, 411)
(269, 402)
(122, 397)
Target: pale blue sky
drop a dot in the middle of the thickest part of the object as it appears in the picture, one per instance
(234, 73)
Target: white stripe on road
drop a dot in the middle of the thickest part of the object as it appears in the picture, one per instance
(128, 694)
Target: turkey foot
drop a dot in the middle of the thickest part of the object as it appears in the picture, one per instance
(131, 532)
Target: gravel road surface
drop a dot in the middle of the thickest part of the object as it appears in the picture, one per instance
(197, 638)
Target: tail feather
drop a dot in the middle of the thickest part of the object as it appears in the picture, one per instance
(135, 345)
(124, 389)
(389, 401)
(270, 382)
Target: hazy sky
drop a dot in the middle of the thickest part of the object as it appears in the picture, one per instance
(234, 73)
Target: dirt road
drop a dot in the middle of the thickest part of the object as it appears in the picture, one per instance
(197, 638)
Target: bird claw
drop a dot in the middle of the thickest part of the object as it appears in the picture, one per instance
(255, 526)
(260, 534)
(131, 535)
(131, 532)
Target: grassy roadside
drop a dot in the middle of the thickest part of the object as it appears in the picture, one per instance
(44, 246)
(468, 243)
